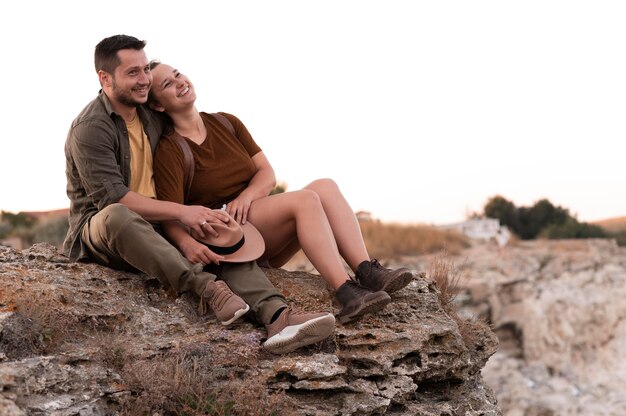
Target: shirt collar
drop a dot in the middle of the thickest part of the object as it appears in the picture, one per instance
(142, 111)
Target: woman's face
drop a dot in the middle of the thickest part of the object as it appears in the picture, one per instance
(171, 89)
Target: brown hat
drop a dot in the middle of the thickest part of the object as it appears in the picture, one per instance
(237, 243)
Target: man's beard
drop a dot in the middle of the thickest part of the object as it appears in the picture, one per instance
(124, 97)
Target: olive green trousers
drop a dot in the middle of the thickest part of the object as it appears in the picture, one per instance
(121, 239)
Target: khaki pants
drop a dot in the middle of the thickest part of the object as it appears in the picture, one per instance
(121, 239)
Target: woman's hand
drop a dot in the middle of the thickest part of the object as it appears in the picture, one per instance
(199, 219)
(238, 208)
(197, 252)
(260, 186)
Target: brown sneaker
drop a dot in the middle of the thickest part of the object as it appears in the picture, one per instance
(292, 330)
(226, 306)
(357, 301)
(373, 275)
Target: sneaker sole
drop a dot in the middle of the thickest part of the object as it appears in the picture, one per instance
(373, 305)
(296, 336)
(399, 282)
(237, 315)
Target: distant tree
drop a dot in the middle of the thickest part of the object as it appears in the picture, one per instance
(279, 188)
(542, 219)
(543, 214)
(19, 219)
(504, 210)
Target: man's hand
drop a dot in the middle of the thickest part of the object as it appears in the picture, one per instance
(197, 252)
(199, 219)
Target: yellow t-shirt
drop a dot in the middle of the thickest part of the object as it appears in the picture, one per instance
(141, 179)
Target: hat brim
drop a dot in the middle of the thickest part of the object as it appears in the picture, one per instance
(252, 249)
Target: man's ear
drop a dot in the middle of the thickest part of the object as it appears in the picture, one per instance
(104, 78)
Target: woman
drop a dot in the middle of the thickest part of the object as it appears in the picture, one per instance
(231, 171)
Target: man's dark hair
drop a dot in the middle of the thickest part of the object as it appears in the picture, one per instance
(106, 58)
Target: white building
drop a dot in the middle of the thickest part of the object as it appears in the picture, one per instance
(481, 229)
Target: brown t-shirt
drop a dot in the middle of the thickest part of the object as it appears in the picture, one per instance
(223, 165)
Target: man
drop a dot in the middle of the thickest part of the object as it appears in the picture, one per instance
(109, 183)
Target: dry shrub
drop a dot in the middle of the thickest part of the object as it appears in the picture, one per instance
(49, 319)
(186, 384)
(447, 278)
(389, 240)
(20, 337)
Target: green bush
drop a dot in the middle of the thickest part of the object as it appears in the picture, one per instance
(18, 220)
(48, 230)
(541, 219)
(51, 231)
(5, 229)
(573, 229)
(620, 237)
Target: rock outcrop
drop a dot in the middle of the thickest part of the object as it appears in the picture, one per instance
(81, 339)
(559, 310)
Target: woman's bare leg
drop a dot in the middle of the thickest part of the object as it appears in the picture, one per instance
(343, 222)
(281, 258)
(282, 217)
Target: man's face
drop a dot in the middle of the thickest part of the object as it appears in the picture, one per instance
(131, 80)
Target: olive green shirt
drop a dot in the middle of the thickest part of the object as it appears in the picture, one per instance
(97, 164)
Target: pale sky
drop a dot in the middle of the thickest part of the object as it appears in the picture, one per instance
(420, 111)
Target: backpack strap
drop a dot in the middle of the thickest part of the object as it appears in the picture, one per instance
(188, 155)
(225, 122)
(188, 163)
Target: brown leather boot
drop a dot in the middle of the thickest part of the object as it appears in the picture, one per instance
(374, 276)
(357, 301)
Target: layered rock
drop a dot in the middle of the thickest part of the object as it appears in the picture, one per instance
(559, 309)
(84, 339)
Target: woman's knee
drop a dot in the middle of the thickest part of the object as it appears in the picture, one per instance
(306, 199)
(322, 186)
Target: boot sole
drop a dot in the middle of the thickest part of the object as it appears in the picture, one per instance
(398, 282)
(296, 336)
(237, 315)
(373, 305)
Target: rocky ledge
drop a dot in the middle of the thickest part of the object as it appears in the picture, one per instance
(81, 339)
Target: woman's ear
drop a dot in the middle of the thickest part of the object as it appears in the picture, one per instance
(156, 106)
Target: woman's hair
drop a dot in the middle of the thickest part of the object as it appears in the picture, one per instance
(153, 101)
(151, 98)
(105, 57)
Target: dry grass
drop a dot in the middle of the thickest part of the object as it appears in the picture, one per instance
(447, 277)
(390, 240)
(185, 384)
(49, 320)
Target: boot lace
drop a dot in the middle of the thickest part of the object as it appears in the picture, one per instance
(214, 298)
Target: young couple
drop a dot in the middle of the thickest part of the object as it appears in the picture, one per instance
(118, 190)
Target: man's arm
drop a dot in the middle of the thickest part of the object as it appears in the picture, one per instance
(93, 149)
(195, 217)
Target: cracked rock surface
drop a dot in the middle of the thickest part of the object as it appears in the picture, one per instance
(81, 339)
